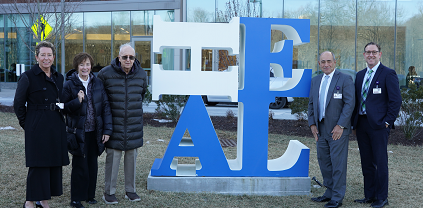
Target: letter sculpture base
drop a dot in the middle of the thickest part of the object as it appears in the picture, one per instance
(272, 186)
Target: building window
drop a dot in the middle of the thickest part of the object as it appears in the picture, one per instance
(142, 23)
(376, 23)
(121, 30)
(98, 37)
(337, 32)
(409, 53)
(201, 11)
(3, 68)
(74, 40)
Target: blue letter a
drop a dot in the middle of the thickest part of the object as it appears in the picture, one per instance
(205, 145)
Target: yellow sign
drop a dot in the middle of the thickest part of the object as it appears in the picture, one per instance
(45, 28)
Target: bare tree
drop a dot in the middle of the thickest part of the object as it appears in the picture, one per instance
(337, 31)
(412, 51)
(306, 54)
(236, 9)
(200, 15)
(39, 17)
(376, 23)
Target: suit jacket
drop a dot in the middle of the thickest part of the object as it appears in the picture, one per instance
(337, 111)
(383, 107)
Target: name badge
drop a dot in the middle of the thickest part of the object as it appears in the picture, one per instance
(337, 96)
(60, 105)
(377, 90)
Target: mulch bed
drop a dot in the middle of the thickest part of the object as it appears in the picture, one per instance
(7, 109)
(290, 128)
(284, 127)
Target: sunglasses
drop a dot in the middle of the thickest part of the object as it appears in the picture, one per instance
(126, 57)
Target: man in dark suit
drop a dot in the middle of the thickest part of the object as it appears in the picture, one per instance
(330, 107)
(377, 106)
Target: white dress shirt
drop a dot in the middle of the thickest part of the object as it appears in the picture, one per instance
(327, 87)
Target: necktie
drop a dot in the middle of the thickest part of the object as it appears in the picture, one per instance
(365, 91)
(322, 98)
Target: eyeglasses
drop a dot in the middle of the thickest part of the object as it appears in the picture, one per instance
(126, 57)
(371, 52)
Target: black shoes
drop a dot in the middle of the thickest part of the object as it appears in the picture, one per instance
(330, 204)
(320, 199)
(76, 204)
(333, 204)
(365, 200)
(91, 201)
(110, 199)
(380, 203)
(132, 196)
(374, 202)
(38, 204)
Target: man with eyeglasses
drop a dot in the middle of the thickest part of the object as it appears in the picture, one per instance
(125, 84)
(378, 101)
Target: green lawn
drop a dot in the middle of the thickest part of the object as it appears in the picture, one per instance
(405, 166)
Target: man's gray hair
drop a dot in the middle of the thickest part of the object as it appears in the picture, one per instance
(333, 55)
(124, 46)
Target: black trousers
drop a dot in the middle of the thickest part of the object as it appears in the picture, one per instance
(373, 144)
(43, 182)
(84, 170)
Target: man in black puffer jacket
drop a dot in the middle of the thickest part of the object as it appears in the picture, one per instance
(125, 83)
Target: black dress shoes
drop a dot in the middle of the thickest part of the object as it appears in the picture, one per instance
(91, 201)
(76, 204)
(38, 204)
(380, 203)
(320, 199)
(333, 204)
(365, 200)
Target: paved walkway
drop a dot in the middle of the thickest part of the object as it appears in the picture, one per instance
(6, 97)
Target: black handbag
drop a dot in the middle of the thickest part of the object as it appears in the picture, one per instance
(71, 137)
(73, 144)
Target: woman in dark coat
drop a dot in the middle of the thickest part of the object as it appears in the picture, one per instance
(40, 88)
(87, 109)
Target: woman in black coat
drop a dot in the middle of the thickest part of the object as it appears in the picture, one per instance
(88, 116)
(40, 88)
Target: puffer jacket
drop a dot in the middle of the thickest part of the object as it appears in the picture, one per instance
(126, 93)
(76, 112)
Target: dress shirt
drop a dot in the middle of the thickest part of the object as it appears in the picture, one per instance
(327, 87)
(373, 74)
(370, 81)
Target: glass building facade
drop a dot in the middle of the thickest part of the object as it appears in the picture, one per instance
(340, 26)
(97, 33)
